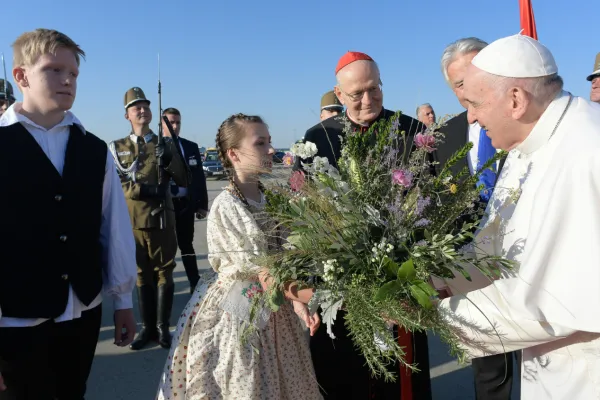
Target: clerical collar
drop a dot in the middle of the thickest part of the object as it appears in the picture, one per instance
(364, 127)
(544, 128)
(147, 137)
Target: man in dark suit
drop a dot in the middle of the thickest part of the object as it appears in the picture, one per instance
(188, 201)
(340, 368)
(493, 374)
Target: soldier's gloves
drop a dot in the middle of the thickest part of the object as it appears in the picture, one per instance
(164, 151)
(153, 191)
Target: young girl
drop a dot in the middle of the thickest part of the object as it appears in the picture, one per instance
(208, 359)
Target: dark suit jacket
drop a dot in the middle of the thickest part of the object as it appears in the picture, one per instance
(326, 135)
(197, 191)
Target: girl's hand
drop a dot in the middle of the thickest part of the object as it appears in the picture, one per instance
(301, 310)
(315, 322)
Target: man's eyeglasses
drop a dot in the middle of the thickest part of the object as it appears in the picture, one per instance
(358, 96)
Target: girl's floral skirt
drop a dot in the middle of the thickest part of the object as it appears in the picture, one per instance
(208, 361)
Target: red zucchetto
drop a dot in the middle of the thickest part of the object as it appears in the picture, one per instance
(349, 58)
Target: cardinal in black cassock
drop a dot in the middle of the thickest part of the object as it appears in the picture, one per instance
(340, 368)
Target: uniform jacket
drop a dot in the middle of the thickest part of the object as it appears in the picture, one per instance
(137, 164)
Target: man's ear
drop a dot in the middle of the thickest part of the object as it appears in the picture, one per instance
(338, 93)
(519, 102)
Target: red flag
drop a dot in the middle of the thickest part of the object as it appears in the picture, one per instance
(527, 19)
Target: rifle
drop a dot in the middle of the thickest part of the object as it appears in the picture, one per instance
(7, 94)
(161, 139)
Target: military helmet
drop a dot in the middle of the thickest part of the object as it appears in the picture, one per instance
(596, 68)
(4, 93)
(134, 95)
(329, 101)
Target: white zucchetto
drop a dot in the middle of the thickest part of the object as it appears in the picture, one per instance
(516, 56)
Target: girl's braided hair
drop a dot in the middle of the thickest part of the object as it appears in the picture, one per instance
(229, 136)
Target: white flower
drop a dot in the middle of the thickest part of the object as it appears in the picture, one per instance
(343, 186)
(321, 164)
(304, 150)
(330, 270)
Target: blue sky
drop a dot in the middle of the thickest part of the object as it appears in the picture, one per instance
(276, 58)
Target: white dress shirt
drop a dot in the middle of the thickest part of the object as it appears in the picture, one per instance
(116, 233)
(473, 137)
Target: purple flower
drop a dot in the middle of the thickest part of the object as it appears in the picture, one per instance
(421, 204)
(422, 222)
(390, 157)
(425, 141)
(402, 177)
(394, 127)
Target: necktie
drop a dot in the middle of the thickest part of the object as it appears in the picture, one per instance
(486, 151)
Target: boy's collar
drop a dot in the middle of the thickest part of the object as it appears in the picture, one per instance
(13, 115)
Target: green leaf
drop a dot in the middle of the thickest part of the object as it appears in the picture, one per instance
(390, 267)
(295, 239)
(428, 235)
(276, 299)
(421, 294)
(426, 287)
(389, 289)
(295, 208)
(465, 274)
(407, 271)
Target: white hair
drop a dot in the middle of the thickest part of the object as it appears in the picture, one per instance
(458, 48)
(542, 89)
(421, 106)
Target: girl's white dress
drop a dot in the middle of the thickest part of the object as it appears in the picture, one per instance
(207, 359)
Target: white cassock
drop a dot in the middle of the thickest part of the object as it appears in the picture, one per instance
(545, 215)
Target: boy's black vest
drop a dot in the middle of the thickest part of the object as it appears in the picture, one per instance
(50, 224)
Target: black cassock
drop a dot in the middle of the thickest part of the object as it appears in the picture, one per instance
(341, 369)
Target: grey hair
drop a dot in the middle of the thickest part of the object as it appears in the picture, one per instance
(542, 89)
(458, 48)
(421, 106)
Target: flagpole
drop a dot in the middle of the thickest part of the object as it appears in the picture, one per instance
(527, 19)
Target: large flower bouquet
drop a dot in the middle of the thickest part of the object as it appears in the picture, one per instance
(371, 235)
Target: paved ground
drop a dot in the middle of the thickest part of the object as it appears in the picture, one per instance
(122, 374)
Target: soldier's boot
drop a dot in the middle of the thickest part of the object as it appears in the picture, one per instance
(147, 305)
(165, 303)
(191, 270)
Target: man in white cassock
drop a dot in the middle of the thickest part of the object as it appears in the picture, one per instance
(545, 215)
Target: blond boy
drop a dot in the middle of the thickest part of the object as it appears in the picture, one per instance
(68, 234)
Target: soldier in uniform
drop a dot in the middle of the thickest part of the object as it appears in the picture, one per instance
(595, 79)
(6, 96)
(330, 105)
(151, 211)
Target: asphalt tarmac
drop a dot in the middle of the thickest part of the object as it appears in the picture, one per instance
(123, 374)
